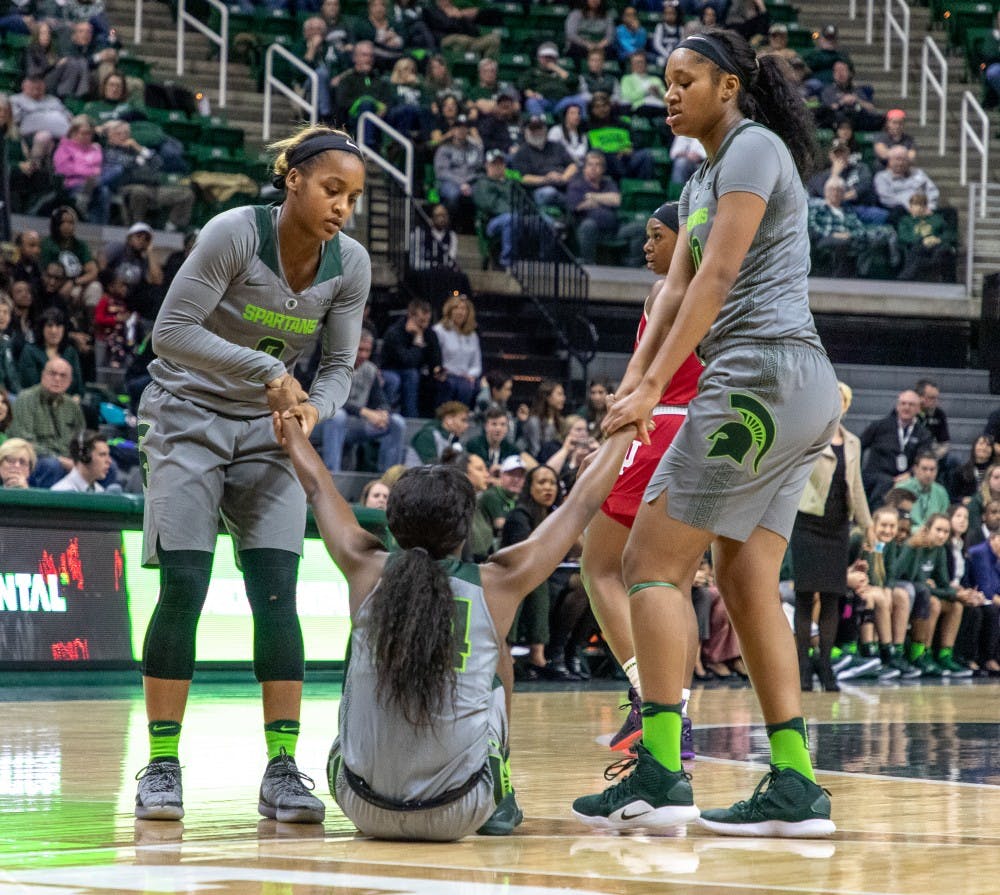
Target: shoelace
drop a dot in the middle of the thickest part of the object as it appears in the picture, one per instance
(752, 805)
(160, 777)
(291, 776)
(617, 768)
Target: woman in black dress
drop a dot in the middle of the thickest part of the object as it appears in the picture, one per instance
(834, 497)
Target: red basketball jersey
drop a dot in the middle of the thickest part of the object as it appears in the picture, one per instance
(683, 387)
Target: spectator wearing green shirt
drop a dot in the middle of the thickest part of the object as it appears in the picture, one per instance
(496, 502)
(74, 255)
(928, 496)
(451, 423)
(493, 445)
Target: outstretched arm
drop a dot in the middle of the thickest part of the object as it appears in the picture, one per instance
(517, 570)
(358, 553)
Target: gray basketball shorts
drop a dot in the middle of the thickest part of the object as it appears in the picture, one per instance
(763, 413)
(445, 823)
(198, 466)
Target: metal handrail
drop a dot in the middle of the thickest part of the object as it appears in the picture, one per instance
(137, 29)
(271, 82)
(902, 31)
(220, 39)
(980, 141)
(852, 11)
(405, 177)
(938, 84)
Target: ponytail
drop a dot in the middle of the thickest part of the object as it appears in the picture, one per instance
(413, 636)
(773, 101)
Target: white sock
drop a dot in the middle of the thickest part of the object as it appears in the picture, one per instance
(685, 696)
(631, 669)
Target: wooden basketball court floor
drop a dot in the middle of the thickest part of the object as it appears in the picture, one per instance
(914, 771)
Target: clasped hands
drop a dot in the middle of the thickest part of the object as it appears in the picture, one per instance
(289, 400)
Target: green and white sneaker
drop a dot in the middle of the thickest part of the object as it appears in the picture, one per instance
(649, 798)
(504, 819)
(784, 804)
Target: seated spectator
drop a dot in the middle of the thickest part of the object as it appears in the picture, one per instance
(17, 462)
(777, 44)
(547, 86)
(5, 409)
(836, 233)
(668, 33)
(410, 352)
(482, 94)
(49, 418)
(989, 491)
(821, 58)
(63, 246)
(461, 357)
(596, 406)
(78, 160)
(365, 417)
(10, 381)
(928, 244)
(136, 172)
(686, 156)
(359, 88)
(377, 27)
(115, 326)
(451, 422)
(433, 262)
(570, 133)
(28, 265)
(339, 34)
(967, 478)
(989, 65)
(497, 388)
(608, 134)
(501, 129)
(492, 198)
(594, 199)
(842, 98)
(597, 79)
(749, 18)
(21, 328)
(892, 444)
(51, 342)
(438, 79)
(37, 115)
(456, 29)
(589, 27)
(115, 103)
(135, 262)
(91, 458)
(41, 55)
(493, 445)
(445, 121)
(458, 163)
(983, 574)
(577, 445)
(374, 495)
(928, 496)
(408, 21)
(493, 505)
(643, 91)
(857, 177)
(894, 135)
(897, 183)
(707, 18)
(630, 36)
(405, 112)
(321, 56)
(546, 167)
(79, 323)
(544, 429)
(88, 56)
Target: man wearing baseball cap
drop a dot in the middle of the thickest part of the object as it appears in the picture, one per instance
(495, 503)
(894, 135)
(546, 166)
(820, 58)
(548, 87)
(135, 263)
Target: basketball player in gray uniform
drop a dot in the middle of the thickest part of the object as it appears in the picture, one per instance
(422, 746)
(259, 288)
(767, 404)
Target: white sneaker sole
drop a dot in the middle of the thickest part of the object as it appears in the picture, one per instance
(781, 829)
(665, 818)
(293, 815)
(159, 812)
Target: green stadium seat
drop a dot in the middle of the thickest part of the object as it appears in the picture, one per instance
(782, 11)
(640, 195)
(962, 16)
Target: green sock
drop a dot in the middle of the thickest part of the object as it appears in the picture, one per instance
(661, 733)
(281, 735)
(790, 747)
(164, 737)
(916, 651)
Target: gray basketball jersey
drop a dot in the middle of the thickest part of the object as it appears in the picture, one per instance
(402, 762)
(770, 298)
(230, 321)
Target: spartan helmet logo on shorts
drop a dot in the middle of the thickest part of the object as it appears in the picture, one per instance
(755, 429)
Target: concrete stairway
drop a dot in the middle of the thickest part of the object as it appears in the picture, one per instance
(944, 170)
